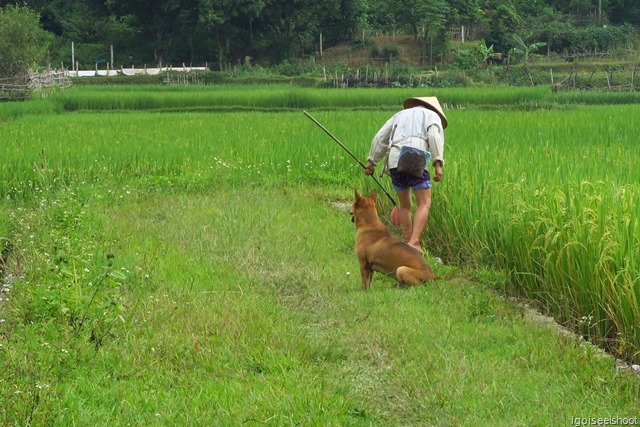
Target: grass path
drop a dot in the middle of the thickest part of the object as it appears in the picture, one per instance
(246, 309)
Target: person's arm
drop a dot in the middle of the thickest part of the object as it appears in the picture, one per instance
(379, 146)
(435, 140)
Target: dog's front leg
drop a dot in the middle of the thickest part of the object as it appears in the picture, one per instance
(366, 273)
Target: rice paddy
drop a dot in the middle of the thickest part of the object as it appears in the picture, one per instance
(543, 193)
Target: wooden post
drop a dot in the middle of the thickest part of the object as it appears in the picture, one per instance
(600, 12)
(551, 72)
(111, 57)
(73, 56)
(320, 44)
(633, 75)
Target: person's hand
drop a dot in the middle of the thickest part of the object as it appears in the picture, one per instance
(438, 172)
(369, 168)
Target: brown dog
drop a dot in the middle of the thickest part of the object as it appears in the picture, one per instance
(377, 250)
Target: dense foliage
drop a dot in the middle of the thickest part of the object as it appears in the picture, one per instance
(22, 41)
(267, 31)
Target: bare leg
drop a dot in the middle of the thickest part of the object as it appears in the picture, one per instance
(423, 200)
(404, 213)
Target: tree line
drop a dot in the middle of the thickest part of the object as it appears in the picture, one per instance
(163, 32)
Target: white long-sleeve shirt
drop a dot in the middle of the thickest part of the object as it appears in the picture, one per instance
(417, 127)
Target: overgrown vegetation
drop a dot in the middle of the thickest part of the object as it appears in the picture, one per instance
(23, 44)
(189, 267)
(121, 33)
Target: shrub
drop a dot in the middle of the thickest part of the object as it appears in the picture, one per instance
(466, 59)
(23, 43)
(374, 51)
(391, 50)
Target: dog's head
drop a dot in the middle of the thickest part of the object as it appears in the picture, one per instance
(362, 204)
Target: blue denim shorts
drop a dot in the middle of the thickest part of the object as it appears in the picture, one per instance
(401, 181)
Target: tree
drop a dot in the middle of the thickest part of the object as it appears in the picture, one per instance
(23, 44)
(463, 12)
(431, 24)
(380, 14)
(291, 27)
(156, 22)
(227, 22)
(339, 20)
(426, 19)
(624, 12)
(526, 49)
(87, 23)
(503, 21)
(486, 51)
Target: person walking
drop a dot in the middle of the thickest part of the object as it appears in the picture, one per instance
(419, 127)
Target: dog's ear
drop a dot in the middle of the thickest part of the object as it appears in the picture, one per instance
(358, 196)
(373, 195)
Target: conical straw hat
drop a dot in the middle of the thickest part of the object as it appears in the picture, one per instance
(430, 102)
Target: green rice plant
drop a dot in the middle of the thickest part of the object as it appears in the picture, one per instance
(550, 199)
(226, 281)
(278, 97)
(539, 193)
(597, 98)
(12, 110)
(45, 153)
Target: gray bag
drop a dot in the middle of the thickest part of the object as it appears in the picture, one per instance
(413, 161)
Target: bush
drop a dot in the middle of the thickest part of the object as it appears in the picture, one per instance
(295, 68)
(374, 51)
(391, 50)
(451, 78)
(23, 43)
(564, 38)
(466, 59)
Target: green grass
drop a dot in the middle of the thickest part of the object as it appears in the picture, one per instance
(558, 213)
(233, 311)
(229, 98)
(190, 269)
(274, 97)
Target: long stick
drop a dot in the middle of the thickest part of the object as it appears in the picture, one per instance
(350, 153)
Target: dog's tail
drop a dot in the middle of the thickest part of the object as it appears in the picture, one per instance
(413, 276)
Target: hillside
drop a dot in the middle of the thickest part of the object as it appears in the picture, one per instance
(370, 53)
(613, 70)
